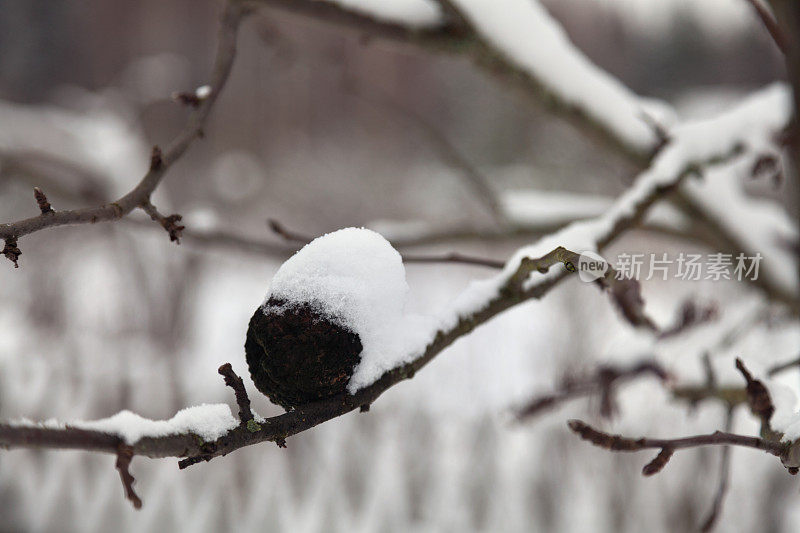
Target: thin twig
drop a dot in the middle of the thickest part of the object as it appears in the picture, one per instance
(602, 381)
(618, 443)
(690, 315)
(288, 235)
(769, 22)
(724, 479)
(451, 257)
(41, 201)
(170, 223)
(777, 369)
(758, 396)
(447, 151)
(233, 381)
(124, 457)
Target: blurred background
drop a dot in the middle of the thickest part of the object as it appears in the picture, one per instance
(320, 130)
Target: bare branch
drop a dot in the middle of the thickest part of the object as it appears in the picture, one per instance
(160, 163)
(758, 398)
(769, 22)
(691, 315)
(233, 381)
(169, 223)
(453, 257)
(75, 182)
(777, 369)
(12, 251)
(658, 463)
(450, 155)
(290, 236)
(124, 457)
(618, 443)
(724, 479)
(41, 201)
(603, 381)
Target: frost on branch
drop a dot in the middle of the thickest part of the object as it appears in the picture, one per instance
(532, 40)
(333, 319)
(693, 146)
(208, 421)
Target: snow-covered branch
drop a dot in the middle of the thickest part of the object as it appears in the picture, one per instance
(525, 48)
(204, 432)
(518, 43)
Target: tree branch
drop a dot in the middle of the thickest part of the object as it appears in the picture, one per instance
(160, 163)
(769, 22)
(724, 479)
(603, 381)
(452, 257)
(448, 153)
(455, 35)
(233, 381)
(618, 443)
(124, 457)
(522, 279)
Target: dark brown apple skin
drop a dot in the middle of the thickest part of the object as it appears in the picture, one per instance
(297, 356)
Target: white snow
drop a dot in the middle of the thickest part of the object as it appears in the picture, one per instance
(340, 267)
(355, 277)
(529, 37)
(209, 421)
(415, 13)
(203, 92)
(751, 123)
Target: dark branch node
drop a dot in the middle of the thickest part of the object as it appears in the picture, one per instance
(187, 99)
(12, 251)
(156, 159)
(189, 461)
(41, 201)
(170, 223)
(757, 395)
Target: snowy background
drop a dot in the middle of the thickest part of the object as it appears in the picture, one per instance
(111, 317)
